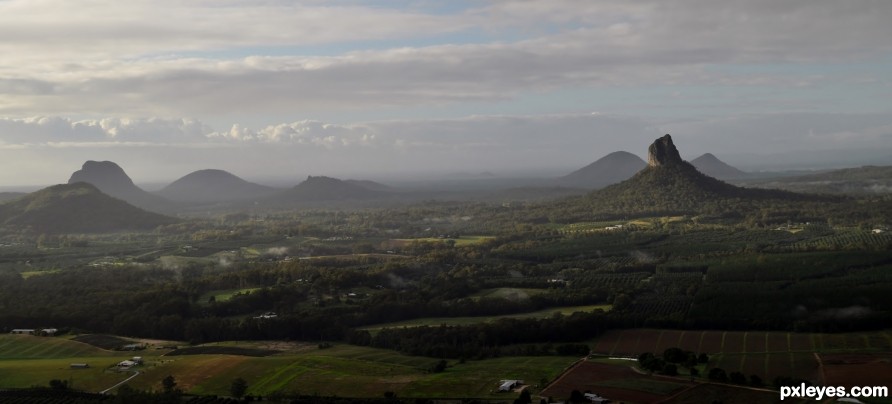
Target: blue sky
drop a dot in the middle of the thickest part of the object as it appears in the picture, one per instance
(363, 88)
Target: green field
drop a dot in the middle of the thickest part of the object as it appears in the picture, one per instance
(225, 294)
(435, 321)
(461, 241)
(343, 370)
(31, 347)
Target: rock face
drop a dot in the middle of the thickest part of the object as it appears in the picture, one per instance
(662, 152)
(111, 179)
(105, 175)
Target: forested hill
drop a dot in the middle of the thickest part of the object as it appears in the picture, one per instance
(76, 208)
(670, 185)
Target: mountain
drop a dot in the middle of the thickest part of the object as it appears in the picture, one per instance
(710, 165)
(6, 196)
(205, 186)
(315, 189)
(112, 180)
(76, 208)
(670, 185)
(610, 169)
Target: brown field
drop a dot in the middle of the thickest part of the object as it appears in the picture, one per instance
(691, 341)
(711, 342)
(734, 342)
(615, 382)
(647, 340)
(668, 339)
(857, 369)
(778, 342)
(801, 342)
(718, 393)
(755, 342)
(765, 354)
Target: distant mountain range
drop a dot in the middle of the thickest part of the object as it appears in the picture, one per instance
(76, 208)
(214, 186)
(670, 185)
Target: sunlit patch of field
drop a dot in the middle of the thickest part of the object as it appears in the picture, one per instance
(435, 321)
(33, 347)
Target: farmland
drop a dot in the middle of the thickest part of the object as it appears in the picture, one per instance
(766, 354)
(435, 321)
(368, 372)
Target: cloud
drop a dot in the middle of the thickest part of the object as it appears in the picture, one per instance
(203, 58)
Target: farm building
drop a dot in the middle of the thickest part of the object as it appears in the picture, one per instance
(596, 398)
(49, 332)
(137, 360)
(508, 385)
(24, 331)
(126, 364)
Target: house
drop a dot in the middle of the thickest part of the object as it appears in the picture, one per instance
(24, 331)
(49, 332)
(878, 231)
(595, 398)
(137, 360)
(126, 364)
(508, 385)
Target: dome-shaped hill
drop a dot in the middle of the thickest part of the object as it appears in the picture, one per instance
(710, 165)
(610, 169)
(76, 208)
(206, 186)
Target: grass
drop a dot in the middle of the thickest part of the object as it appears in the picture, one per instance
(461, 241)
(224, 294)
(32, 347)
(513, 294)
(38, 372)
(435, 321)
(343, 370)
(349, 371)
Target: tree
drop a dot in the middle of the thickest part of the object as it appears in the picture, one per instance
(737, 378)
(670, 369)
(238, 387)
(718, 374)
(756, 381)
(57, 384)
(524, 398)
(169, 384)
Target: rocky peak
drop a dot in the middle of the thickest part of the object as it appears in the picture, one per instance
(662, 152)
(102, 174)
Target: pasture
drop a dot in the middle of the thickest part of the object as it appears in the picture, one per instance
(436, 321)
(342, 370)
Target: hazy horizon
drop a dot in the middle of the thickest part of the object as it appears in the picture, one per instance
(415, 89)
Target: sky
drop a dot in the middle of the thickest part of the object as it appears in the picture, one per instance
(272, 89)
